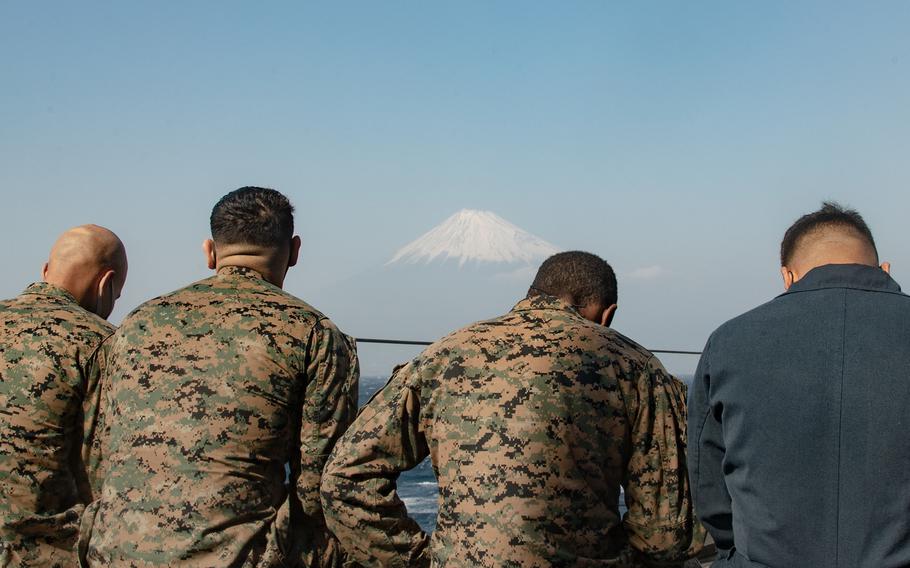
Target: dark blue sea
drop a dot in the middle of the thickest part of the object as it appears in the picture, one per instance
(417, 488)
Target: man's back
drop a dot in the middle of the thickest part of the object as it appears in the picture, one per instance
(46, 341)
(803, 399)
(533, 421)
(213, 389)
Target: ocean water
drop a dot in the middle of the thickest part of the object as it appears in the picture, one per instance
(417, 488)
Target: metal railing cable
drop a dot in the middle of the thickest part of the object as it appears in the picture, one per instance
(406, 342)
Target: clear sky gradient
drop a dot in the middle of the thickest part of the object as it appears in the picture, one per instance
(678, 140)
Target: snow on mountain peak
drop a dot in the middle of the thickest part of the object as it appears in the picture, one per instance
(472, 235)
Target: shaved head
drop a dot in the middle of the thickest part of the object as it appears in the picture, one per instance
(89, 262)
(88, 247)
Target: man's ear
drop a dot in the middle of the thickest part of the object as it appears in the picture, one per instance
(104, 304)
(886, 266)
(211, 259)
(44, 271)
(295, 251)
(788, 277)
(606, 318)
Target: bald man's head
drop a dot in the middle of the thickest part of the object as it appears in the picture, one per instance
(90, 263)
(831, 235)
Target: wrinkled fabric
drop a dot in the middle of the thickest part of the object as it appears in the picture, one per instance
(48, 403)
(533, 421)
(212, 390)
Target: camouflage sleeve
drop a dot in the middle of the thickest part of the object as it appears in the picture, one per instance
(660, 520)
(709, 490)
(329, 407)
(91, 471)
(359, 494)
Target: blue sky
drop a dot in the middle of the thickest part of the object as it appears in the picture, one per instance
(683, 136)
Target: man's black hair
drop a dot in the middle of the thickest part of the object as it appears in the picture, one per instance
(831, 215)
(583, 277)
(253, 216)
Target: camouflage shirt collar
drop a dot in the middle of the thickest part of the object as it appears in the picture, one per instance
(544, 302)
(46, 289)
(239, 271)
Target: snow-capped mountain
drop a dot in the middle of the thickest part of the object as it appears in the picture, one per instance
(472, 235)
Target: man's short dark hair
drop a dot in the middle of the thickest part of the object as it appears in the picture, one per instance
(831, 215)
(583, 277)
(253, 216)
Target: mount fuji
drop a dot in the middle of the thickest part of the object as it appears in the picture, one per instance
(475, 236)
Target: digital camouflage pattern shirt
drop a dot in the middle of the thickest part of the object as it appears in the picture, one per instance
(48, 397)
(533, 421)
(212, 390)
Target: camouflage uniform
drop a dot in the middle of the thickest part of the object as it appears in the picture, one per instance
(212, 390)
(533, 421)
(48, 397)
